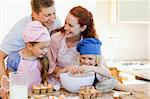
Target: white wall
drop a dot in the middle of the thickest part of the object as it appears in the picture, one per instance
(121, 41)
(149, 41)
(10, 12)
(64, 6)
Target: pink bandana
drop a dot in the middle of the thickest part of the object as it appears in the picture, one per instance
(35, 32)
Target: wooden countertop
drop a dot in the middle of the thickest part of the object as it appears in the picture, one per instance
(109, 95)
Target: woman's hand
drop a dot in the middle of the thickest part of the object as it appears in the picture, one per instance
(72, 69)
(61, 71)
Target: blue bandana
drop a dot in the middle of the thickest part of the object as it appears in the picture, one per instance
(89, 46)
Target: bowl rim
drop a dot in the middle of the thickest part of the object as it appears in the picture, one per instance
(70, 75)
(64, 78)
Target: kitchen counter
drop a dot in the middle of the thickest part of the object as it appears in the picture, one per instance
(142, 71)
(123, 95)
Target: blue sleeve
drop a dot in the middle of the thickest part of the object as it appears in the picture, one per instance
(13, 62)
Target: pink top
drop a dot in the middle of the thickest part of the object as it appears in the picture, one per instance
(59, 53)
(32, 67)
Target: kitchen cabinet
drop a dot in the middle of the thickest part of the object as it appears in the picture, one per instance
(130, 11)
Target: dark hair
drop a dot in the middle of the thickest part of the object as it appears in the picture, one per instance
(44, 65)
(85, 18)
(38, 4)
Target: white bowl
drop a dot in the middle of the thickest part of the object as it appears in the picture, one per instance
(72, 83)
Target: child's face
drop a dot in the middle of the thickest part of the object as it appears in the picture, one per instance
(40, 49)
(88, 59)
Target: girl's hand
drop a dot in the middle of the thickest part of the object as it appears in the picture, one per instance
(4, 88)
(3, 94)
(61, 71)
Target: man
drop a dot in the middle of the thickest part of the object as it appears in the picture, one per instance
(43, 11)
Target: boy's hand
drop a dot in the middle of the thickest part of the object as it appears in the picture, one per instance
(86, 68)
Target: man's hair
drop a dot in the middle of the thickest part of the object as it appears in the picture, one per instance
(38, 4)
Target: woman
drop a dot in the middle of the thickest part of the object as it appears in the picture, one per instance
(78, 24)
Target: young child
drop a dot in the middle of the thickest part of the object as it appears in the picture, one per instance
(90, 61)
(32, 59)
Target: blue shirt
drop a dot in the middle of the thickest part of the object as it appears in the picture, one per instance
(13, 61)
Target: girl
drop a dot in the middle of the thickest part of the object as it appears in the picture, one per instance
(90, 58)
(32, 59)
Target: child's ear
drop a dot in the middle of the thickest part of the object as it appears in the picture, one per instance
(29, 46)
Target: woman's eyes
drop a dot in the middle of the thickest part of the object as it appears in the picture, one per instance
(68, 24)
(42, 48)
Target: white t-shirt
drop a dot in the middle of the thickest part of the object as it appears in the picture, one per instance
(13, 41)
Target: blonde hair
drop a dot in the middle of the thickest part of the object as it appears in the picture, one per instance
(98, 59)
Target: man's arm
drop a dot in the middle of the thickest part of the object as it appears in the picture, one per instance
(2, 65)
